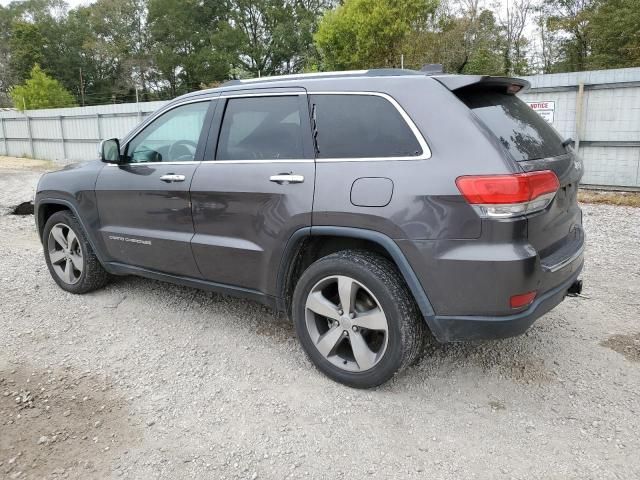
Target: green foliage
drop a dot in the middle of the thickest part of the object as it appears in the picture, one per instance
(369, 33)
(615, 34)
(273, 36)
(40, 91)
(26, 49)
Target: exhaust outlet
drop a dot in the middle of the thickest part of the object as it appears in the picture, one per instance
(575, 289)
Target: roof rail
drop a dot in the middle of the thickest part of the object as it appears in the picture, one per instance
(374, 72)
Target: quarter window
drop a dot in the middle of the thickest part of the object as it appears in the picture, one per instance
(257, 128)
(361, 126)
(172, 137)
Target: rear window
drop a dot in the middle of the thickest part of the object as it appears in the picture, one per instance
(361, 126)
(522, 132)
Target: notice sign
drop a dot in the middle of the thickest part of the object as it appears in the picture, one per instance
(545, 109)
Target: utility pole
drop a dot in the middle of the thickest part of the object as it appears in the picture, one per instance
(81, 87)
(138, 106)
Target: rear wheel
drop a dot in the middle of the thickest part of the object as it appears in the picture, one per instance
(69, 256)
(356, 319)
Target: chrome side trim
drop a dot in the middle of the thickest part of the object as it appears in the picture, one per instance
(144, 164)
(426, 151)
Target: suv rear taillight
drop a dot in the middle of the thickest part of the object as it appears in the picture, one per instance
(504, 196)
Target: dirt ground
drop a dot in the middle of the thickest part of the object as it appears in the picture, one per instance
(148, 380)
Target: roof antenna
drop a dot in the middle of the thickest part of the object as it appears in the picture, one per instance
(432, 68)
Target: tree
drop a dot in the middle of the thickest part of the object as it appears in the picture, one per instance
(369, 33)
(189, 42)
(571, 17)
(615, 34)
(461, 37)
(40, 91)
(273, 36)
(513, 20)
(26, 49)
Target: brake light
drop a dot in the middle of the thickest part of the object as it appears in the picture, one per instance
(521, 300)
(503, 196)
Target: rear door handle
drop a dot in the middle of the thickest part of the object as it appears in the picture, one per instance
(286, 178)
(171, 177)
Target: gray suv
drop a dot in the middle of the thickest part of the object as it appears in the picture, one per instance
(372, 207)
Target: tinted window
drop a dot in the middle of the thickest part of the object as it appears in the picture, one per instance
(523, 132)
(172, 137)
(358, 126)
(261, 128)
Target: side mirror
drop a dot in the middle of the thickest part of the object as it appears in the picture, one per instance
(110, 151)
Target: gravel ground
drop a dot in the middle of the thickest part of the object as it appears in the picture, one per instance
(149, 380)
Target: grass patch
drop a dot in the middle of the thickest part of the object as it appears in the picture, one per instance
(626, 199)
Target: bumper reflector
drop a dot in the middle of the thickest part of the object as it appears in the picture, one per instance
(522, 299)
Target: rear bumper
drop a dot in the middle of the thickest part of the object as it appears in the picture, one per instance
(459, 328)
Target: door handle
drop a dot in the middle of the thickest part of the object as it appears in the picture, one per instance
(286, 178)
(171, 177)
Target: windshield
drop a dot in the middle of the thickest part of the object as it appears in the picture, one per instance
(522, 132)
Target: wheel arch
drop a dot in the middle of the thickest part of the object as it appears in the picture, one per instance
(293, 259)
(46, 207)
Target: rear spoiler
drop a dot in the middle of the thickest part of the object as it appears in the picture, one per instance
(456, 82)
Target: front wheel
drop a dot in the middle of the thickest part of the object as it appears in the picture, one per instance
(356, 319)
(70, 258)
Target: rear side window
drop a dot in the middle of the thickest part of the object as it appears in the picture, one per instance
(256, 128)
(360, 126)
(522, 132)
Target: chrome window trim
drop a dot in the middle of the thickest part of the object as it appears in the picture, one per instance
(284, 160)
(426, 151)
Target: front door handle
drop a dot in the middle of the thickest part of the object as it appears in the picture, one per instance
(171, 177)
(286, 178)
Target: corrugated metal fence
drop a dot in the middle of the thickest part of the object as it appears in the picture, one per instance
(598, 109)
(68, 134)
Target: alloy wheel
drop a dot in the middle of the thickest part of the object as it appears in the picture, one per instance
(65, 253)
(346, 323)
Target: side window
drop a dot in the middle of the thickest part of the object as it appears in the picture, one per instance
(361, 126)
(172, 137)
(261, 128)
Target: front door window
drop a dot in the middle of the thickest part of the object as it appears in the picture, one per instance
(172, 137)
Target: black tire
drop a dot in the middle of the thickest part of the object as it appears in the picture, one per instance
(93, 275)
(406, 327)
